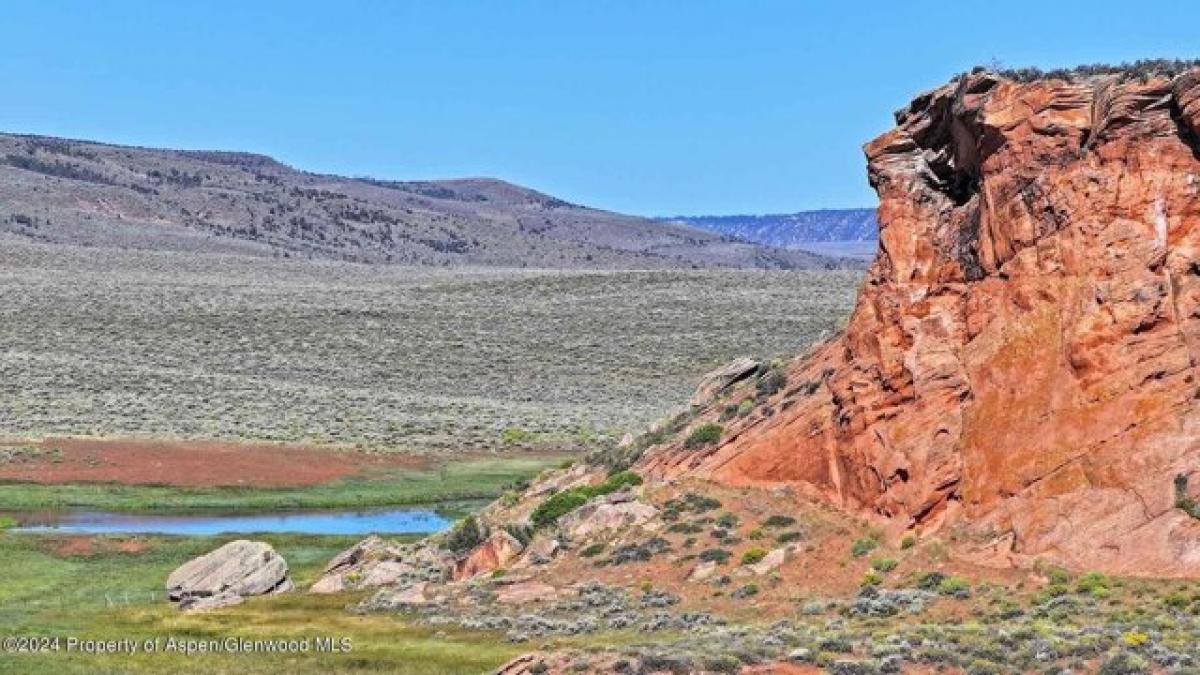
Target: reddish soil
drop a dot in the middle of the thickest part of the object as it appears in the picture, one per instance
(86, 545)
(193, 463)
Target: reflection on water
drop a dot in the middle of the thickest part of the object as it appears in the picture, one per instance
(394, 521)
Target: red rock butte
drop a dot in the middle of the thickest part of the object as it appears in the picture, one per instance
(1021, 360)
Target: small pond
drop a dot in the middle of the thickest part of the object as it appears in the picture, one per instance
(389, 521)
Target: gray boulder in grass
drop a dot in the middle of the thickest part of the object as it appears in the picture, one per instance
(227, 575)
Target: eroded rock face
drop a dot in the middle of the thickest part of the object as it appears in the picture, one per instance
(497, 551)
(1023, 351)
(227, 575)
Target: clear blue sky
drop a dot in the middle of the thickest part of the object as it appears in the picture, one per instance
(647, 107)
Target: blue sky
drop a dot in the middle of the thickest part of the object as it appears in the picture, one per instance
(648, 107)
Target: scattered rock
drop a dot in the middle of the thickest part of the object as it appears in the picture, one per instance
(720, 379)
(772, 560)
(240, 568)
(204, 604)
(703, 571)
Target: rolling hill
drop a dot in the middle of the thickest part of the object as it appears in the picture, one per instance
(94, 194)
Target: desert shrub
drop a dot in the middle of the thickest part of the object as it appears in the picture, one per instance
(521, 532)
(1182, 500)
(617, 481)
(863, 546)
(557, 506)
(705, 434)
(908, 541)
(789, 537)
(955, 587)
(1177, 600)
(1094, 584)
(721, 663)
(779, 521)
(773, 381)
(689, 503)
(871, 578)
(745, 407)
(727, 520)
(561, 503)
(464, 536)
(639, 552)
(884, 564)
(745, 591)
(929, 580)
(1124, 663)
(1142, 69)
(717, 555)
(1059, 576)
(592, 550)
(753, 555)
(1134, 638)
(516, 436)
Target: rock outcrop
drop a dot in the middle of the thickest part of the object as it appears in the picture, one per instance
(375, 562)
(1022, 355)
(613, 512)
(228, 575)
(718, 380)
(496, 552)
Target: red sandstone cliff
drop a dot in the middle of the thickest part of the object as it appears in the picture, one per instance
(1022, 356)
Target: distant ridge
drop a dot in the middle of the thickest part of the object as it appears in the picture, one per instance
(62, 191)
(791, 230)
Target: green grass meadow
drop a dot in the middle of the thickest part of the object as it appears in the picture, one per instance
(110, 594)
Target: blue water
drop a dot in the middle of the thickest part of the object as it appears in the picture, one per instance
(393, 521)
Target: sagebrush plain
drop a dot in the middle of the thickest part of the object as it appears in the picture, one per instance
(106, 342)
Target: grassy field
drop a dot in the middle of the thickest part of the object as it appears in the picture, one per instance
(115, 591)
(454, 481)
(383, 358)
(205, 346)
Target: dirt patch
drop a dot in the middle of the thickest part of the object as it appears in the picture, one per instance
(70, 546)
(193, 463)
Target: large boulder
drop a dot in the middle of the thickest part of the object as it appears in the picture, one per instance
(718, 380)
(227, 575)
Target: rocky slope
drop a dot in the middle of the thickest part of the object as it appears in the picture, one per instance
(1022, 357)
(93, 194)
